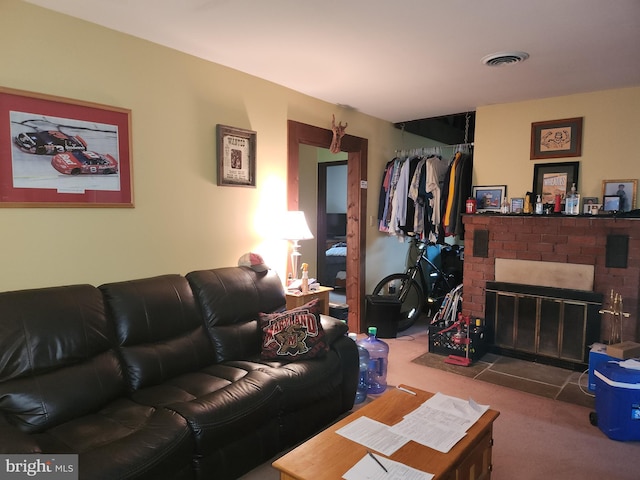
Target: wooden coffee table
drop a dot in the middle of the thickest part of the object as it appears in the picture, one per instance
(329, 455)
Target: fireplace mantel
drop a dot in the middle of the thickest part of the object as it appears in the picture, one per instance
(583, 240)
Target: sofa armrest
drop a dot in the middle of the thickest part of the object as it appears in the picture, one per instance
(333, 328)
(13, 440)
(336, 335)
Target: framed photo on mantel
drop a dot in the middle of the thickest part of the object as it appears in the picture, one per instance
(551, 179)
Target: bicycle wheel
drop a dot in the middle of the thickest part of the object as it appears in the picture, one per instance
(399, 285)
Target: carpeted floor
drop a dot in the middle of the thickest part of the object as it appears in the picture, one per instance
(544, 380)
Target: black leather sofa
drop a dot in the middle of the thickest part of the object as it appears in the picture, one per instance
(161, 378)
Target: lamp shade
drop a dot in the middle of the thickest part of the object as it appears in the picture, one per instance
(295, 227)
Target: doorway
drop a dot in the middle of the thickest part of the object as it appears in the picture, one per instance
(356, 148)
(331, 251)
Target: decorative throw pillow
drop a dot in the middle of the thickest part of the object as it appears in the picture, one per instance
(293, 334)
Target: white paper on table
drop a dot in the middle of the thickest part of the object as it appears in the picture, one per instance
(469, 410)
(368, 469)
(440, 422)
(438, 437)
(373, 434)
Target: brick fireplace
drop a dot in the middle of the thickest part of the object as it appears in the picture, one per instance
(611, 246)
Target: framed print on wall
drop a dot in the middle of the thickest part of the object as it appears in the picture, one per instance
(556, 138)
(236, 157)
(551, 179)
(489, 198)
(626, 190)
(59, 152)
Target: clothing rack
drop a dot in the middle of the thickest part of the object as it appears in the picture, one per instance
(434, 150)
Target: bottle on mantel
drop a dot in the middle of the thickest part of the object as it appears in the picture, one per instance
(571, 205)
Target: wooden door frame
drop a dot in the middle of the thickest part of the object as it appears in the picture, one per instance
(356, 148)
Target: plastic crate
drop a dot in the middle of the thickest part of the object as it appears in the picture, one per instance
(444, 344)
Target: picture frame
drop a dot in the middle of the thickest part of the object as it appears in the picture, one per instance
(236, 156)
(551, 179)
(629, 189)
(489, 198)
(611, 203)
(587, 203)
(61, 152)
(517, 205)
(556, 138)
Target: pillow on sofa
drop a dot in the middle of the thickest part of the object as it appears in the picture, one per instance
(293, 334)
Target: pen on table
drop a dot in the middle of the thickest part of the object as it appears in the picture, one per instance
(377, 461)
(406, 390)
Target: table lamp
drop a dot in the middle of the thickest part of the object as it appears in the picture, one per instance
(295, 228)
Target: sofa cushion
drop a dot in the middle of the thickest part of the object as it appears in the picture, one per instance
(230, 300)
(56, 360)
(159, 330)
(124, 440)
(293, 334)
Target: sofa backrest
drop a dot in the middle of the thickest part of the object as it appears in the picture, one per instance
(158, 327)
(230, 300)
(57, 356)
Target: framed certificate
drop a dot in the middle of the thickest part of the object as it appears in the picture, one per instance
(236, 157)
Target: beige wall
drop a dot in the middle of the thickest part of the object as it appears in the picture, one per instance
(610, 132)
(181, 220)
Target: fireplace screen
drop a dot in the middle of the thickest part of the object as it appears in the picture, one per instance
(543, 322)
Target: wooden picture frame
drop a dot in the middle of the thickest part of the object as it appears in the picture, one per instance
(551, 179)
(556, 138)
(624, 189)
(60, 152)
(236, 156)
(489, 198)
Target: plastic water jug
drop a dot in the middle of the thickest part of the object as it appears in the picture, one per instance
(378, 361)
(363, 384)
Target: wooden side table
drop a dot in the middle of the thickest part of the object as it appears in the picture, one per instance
(322, 294)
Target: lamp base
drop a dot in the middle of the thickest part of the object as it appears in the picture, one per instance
(295, 260)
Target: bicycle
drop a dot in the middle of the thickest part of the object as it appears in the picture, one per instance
(410, 287)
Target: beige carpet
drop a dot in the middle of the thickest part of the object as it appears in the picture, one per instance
(544, 380)
(534, 437)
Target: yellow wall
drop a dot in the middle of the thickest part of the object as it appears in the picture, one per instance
(181, 220)
(610, 132)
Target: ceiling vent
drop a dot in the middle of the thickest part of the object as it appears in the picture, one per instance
(504, 58)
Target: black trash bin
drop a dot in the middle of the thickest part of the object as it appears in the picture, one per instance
(383, 312)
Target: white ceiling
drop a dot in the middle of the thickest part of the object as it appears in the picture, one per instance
(397, 60)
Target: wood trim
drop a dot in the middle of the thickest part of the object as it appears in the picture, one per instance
(356, 147)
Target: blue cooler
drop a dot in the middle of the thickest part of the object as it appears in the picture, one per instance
(618, 401)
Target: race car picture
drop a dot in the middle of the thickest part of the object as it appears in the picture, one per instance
(49, 142)
(84, 162)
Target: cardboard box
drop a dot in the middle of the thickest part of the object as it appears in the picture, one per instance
(624, 350)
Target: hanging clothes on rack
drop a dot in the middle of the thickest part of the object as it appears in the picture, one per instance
(458, 183)
(415, 187)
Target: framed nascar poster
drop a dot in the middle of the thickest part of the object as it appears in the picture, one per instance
(58, 152)
(236, 156)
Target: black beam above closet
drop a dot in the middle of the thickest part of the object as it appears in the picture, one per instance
(448, 129)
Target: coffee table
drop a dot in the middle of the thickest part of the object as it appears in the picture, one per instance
(329, 455)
